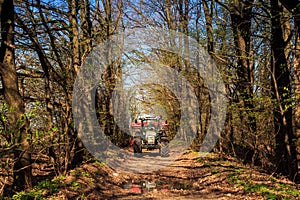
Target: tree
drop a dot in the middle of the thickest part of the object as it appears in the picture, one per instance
(17, 119)
(294, 8)
(241, 15)
(209, 27)
(285, 150)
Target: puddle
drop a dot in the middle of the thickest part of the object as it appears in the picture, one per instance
(136, 186)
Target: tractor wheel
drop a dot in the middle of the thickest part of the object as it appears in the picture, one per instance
(137, 145)
(164, 149)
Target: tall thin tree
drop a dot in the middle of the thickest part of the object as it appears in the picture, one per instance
(285, 149)
(16, 118)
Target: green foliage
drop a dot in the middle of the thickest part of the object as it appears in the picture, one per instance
(76, 185)
(30, 195)
(42, 189)
(101, 164)
(22, 119)
(85, 173)
(51, 185)
(270, 192)
(267, 191)
(233, 178)
(3, 118)
(289, 190)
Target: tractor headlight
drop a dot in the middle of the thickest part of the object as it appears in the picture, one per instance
(151, 140)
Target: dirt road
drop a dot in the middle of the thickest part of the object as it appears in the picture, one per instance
(189, 177)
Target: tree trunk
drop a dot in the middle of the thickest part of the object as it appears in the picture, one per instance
(241, 16)
(297, 91)
(294, 7)
(241, 25)
(73, 12)
(17, 120)
(209, 28)
(285, 149)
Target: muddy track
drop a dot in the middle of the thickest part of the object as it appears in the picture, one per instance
(188, 177)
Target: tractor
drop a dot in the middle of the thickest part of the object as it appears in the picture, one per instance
(150, 133)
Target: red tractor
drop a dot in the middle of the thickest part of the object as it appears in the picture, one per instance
(150, 133)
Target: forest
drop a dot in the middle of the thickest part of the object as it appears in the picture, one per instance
(46, 52)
